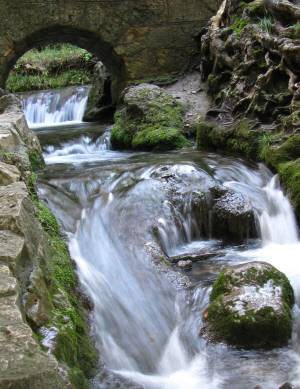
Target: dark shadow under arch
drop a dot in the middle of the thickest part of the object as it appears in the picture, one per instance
(84, 39)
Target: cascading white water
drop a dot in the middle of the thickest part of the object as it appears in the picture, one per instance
(52, 107)
(277, 222)
(144, 331)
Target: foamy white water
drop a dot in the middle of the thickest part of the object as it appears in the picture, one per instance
(53, 107)
(145, 333)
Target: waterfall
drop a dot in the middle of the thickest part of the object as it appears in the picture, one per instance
(147, 331)
(277, 221)
(52, 107)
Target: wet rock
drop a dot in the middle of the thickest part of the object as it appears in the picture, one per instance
(150, 119)
(192, 257)
(185, 265)
(232, 218)
(287, 386)
(251, 307)
(11, 247)
(100, 104)
(8, 174)
(9, 103)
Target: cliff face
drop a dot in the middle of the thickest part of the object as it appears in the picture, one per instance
(44, 335)
(251, 61)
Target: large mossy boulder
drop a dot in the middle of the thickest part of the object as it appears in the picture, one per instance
(150, 119)
(251, 307)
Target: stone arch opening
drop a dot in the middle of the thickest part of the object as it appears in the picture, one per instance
(84, 39)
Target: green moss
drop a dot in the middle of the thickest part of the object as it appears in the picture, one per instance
(227, 280)
(238, 25)
(159, 139)
(73, 346)
(77, 379)
(216, 82)
(296, 30)
(7, 157)
(287, 151)
(239, 138)
(262, 328)
(290, 177)
(36, 160)
(122, 131)
(256, 8)
(158, 126)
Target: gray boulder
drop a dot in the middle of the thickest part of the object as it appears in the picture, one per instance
(232, 217)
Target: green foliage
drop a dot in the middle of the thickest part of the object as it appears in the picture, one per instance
(52, 53)
(22, 83)
(238, 25)
(77, 379)
(296, 29)
(54, 66)
(36, 160)
(264, 146)
(267, 24)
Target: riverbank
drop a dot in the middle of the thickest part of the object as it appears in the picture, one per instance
(51, 67)
(44, 327)
(251, 60)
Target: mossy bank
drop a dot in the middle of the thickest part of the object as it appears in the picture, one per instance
(51, 67)
(46, 311)
(250, 60)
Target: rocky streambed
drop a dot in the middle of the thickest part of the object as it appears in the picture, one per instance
(150, 232)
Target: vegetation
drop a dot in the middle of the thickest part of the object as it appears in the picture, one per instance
(267, 24)
(73, 345)
(149, 122)
(238, 25)
(290, 177)
(54, 66)
(264, 327)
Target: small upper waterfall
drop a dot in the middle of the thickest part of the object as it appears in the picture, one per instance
(55, 106)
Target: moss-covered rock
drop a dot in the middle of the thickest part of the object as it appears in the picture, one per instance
(250, 307)
(290, 177)
(42, 303)
(241, 137)
(72, 344)
(149, 120)
(284, 152)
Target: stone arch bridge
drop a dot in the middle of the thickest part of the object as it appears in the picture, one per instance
(135, 39)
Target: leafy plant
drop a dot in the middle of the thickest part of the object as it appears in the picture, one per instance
(238, 25)
(267, 24)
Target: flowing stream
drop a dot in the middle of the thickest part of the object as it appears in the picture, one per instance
(52, 107)
(147, 317)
